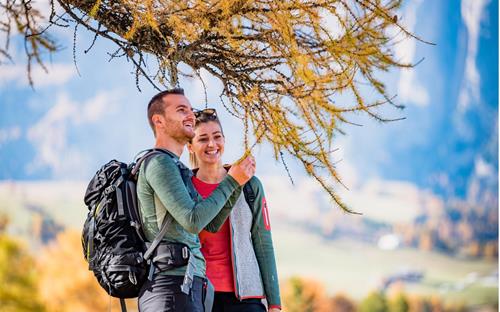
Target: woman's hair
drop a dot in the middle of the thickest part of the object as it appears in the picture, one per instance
(203, 116)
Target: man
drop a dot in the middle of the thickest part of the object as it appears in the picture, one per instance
(163, 192)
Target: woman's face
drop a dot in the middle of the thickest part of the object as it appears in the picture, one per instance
(208, 143)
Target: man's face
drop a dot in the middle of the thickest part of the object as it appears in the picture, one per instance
(178, 118)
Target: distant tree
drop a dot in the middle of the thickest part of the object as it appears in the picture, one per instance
(4, 221)
(426, 240)
(445, 231)
(465, 231)
(342, 303)
(304, 295)
(374, 302)
(18, 292)
(491, 250)
(461, 307)
(66, 284)
(436, 304)
(399, 303)
(419, 304)
(473, 248)
(282, 64)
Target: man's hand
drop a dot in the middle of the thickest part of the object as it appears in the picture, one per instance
(243, 170)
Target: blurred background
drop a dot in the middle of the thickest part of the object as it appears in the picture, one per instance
(427, 186)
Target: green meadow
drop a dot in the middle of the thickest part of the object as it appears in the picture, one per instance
(356, 268)
(344, 266)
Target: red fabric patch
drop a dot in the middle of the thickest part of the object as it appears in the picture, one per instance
(265, 214)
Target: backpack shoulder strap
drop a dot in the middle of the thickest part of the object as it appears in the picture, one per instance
(186, 173)
(149, 153)
(168, 218)
(249, 195)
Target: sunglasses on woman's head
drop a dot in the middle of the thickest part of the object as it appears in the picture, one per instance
(206, 114)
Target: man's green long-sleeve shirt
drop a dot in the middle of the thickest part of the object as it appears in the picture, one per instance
(161, 190)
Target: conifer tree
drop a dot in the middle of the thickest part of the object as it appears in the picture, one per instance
(284, 65)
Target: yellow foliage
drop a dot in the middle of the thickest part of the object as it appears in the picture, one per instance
(95, 8)
(131, 32)
(17, 278)
(65, 282)
(342, 303)
(303, 295)
(281, 63)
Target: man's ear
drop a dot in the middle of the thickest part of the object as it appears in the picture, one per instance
(157, 120)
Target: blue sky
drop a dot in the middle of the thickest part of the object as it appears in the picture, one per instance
(446, 141)
(447, 145)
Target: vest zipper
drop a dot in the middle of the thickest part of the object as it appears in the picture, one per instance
(233, 264)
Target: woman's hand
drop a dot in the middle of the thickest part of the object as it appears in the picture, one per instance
(243, 171)
(274, 310)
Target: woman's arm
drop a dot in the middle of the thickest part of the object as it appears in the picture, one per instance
(263, 245)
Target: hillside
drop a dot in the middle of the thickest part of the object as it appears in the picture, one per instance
(349, 264)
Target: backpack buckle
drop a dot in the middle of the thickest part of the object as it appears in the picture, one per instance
(135, 225)
(110, 189)
(185, 252)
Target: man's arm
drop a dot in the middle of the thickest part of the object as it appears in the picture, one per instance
(221, 217)
(165, 179)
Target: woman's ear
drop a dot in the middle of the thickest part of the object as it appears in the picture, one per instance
(190, 148)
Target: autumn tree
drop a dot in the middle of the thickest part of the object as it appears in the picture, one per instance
(293, 71)
(399, 303)
(419, 304)
(374, 302)
(18, 277)
(491, 250)
(65, 282)
(342, 303)
(305, 295)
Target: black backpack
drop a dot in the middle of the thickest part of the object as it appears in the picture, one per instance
(113, 242)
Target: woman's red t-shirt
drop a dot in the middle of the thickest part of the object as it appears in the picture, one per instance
(216, 247)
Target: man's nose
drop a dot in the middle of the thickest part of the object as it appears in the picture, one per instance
(191, 115)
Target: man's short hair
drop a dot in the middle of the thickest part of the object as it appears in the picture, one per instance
(156, 105)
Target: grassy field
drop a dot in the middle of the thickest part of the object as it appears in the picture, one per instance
(343, 266)
(355, 268)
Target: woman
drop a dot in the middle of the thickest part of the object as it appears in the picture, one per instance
(240, 256)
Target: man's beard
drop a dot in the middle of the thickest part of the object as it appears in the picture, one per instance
(182, 136)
